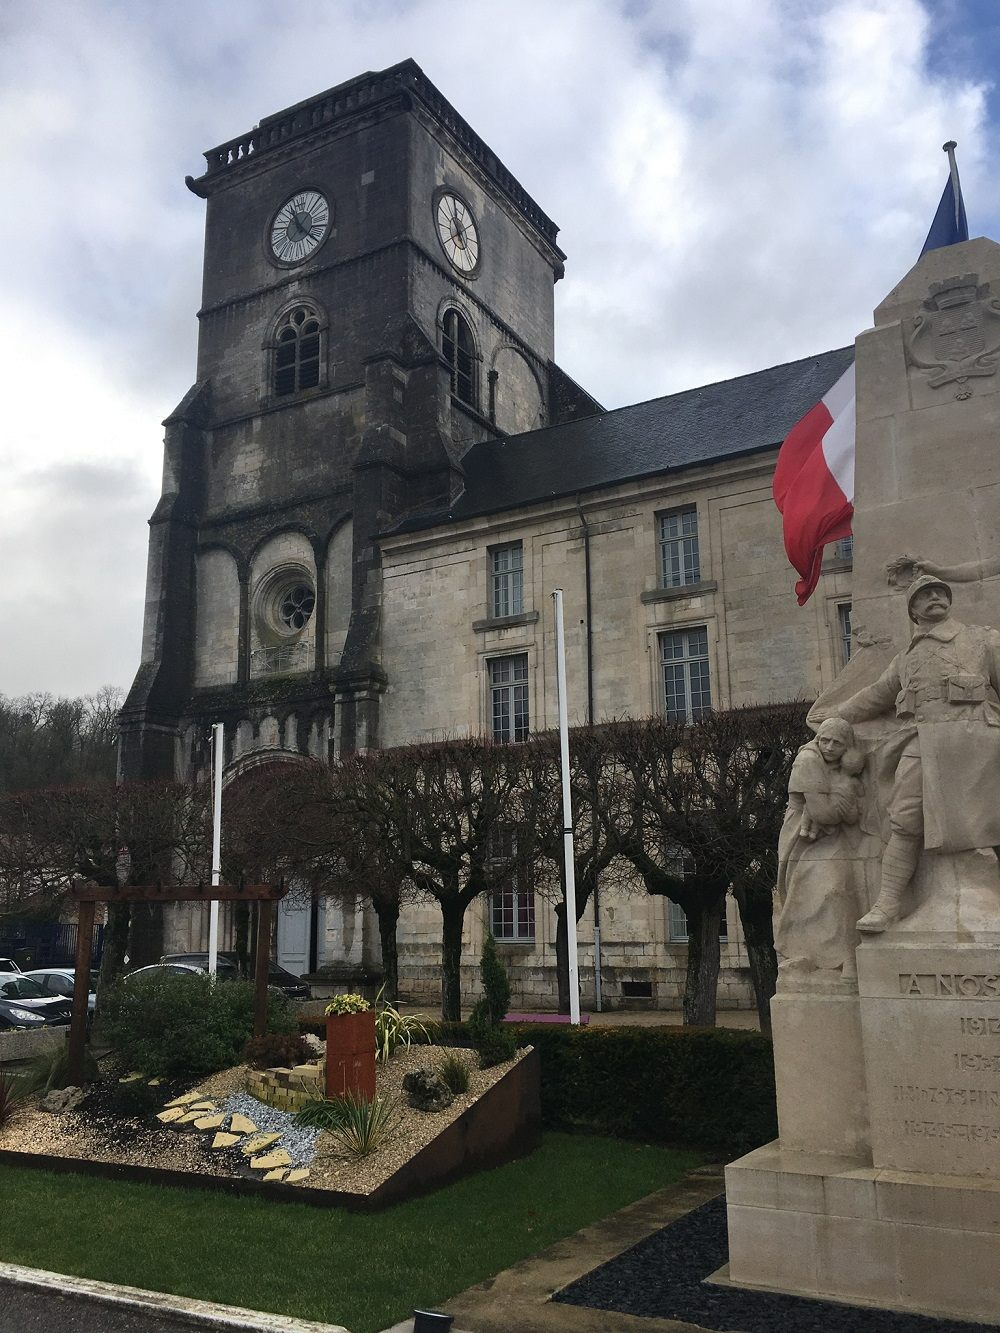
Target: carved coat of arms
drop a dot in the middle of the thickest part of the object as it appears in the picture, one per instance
(956, 333)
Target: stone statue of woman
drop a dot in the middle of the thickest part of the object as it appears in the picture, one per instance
(827, 864)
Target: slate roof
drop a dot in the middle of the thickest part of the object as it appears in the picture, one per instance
(716, 421)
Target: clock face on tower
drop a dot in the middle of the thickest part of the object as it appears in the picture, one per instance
(299, 227)
(457, 232)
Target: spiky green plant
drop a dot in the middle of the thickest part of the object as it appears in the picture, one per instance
(455, 1072)
(322, 1113)
(358, 1126)
(11, 1095)
(393, 1029)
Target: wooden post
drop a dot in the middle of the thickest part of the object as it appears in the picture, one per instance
(261, 964)
(81, 990)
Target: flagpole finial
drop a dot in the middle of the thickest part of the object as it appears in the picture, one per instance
(949, 147)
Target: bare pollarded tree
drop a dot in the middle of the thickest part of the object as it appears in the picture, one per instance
(705, 804)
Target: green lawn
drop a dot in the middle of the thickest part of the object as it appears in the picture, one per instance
(364, 1271)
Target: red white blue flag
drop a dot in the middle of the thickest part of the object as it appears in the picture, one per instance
(814, 478)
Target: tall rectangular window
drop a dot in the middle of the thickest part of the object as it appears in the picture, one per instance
(843, 548)
(687, 689)
(679, 563)
(506, 580)
(678, 928)
(512, 905)
(508, 684)
(844, 631)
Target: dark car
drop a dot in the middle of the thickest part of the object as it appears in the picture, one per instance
(23, 1004)
(278, 977)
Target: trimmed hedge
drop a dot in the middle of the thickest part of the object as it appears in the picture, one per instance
(705, 1088)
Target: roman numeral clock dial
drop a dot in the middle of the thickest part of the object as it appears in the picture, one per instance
(299, 227)
(457, 232)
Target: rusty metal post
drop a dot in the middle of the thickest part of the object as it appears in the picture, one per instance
(81, 990)
(261, 963)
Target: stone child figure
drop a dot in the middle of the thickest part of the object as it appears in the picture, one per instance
(943, 763)
(823, 858)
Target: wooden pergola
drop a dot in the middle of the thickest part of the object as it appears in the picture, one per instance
(87, 895)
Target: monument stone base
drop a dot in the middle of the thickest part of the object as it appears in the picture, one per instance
(833, 1228)
(913, 1223)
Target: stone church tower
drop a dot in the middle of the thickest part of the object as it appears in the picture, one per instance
(377, 297)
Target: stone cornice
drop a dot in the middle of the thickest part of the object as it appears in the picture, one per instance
(396, 87)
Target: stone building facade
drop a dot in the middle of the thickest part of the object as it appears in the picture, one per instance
(379, 476)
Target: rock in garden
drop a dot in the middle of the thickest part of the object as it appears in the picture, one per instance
(171, 1113)
(427, 1091)
(186, 1100)
(278, 1173)
(300, 1173)
(210, 1121)
(62, 1099)
(272, 1159)
(262, 1141)
(241, 1124)
(316, 1045)
(223, 1140)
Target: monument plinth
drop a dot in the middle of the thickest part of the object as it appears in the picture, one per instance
(884, 1184)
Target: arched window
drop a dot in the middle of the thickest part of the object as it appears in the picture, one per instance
(460, 352)
(297, 352)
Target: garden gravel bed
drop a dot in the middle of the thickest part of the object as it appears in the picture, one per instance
(664, 1277)
(116, 1123)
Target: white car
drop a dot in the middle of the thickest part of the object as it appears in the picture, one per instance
(8, 965)
(59, 981)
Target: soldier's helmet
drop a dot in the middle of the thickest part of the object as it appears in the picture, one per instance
(918, 585)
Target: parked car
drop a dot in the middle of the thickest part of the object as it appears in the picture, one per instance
(8, 965)
(59, 981)
(23, 1004)
(278, 977)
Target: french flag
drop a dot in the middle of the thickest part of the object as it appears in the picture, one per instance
(814, 478)
(814, 481)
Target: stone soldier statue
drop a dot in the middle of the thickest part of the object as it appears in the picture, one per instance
(943, 763)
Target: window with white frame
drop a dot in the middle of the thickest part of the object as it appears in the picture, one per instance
(687, 688)
(844, 631)
(512, 905)
(508, 701)
(678, 928)
(679, 562)
(843, 549)
(506, 580)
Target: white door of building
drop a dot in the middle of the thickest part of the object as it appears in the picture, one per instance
(293, 934)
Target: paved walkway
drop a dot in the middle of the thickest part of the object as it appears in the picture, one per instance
(519, 1299)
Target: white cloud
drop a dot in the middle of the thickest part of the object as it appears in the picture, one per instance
(739, 182)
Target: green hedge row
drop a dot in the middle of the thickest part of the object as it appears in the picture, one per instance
(705, 1088)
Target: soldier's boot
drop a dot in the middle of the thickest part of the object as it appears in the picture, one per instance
(898, 864)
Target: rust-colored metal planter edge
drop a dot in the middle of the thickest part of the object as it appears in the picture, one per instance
(504, 1124)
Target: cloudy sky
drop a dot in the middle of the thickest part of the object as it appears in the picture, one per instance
(738, 183)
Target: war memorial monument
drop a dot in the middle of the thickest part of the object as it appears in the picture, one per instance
(884, 1184)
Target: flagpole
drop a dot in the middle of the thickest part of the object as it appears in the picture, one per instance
(567, 807)
(956, 188)
(218, 754)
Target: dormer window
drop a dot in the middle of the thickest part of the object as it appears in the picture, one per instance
(459, 348)
(297, 346)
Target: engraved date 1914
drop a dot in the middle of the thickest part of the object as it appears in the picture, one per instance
(980, 1027)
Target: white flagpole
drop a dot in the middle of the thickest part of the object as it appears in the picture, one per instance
(218, 754)
(569, 860)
